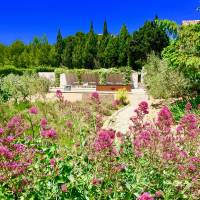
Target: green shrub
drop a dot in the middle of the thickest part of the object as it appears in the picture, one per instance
(10, 70)
(122, 96)
(44, 69)
(162, 81)
(178, 108)
(22, 88)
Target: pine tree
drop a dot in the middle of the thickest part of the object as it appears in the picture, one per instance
(59, 47)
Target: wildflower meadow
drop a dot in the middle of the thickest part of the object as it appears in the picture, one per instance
(60, 150)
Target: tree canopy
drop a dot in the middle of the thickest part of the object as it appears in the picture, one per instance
(88, 50)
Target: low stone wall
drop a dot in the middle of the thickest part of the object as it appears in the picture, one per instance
(78, 96)
(48, 75)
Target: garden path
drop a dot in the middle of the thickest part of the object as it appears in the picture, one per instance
(120, 120)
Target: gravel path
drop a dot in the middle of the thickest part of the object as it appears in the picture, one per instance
(120, 120)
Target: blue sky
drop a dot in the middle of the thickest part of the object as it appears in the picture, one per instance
(24, 19)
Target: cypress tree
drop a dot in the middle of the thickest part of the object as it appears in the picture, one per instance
(105, 29)
(59, 47)
(90, 50)
(123, 45)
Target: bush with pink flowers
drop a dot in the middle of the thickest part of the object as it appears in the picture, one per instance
(58, 150)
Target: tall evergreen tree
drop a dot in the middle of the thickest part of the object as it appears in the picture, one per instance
(111, 53)
(59, 47)
(102, 44)
(105, 29)
(123, 46)
(77, 55)
(2, 54)
(90, 50)
(68, 51)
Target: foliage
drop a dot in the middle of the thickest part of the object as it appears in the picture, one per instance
(82, 161)
(90, 49)
(170, 27)
(87, 50)
(59, 48)
(122, 96)
(162, 81)
(22, 88)
(183, 54)
(148, 38)
(179, 106)
(101, 73)
(111, 53)
(124, 39)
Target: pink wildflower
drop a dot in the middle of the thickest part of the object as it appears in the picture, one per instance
(4, 151)
(188, 106)
(1, 131)
(63, 188)
(69, 124)
(96, 181)
(143, 107)
(104, 139)
(19, 147)
(53, 162)
(43, 123)
(164, 120)
(116, 103)
(49, 133)
(192, 167)
(189, 124)
(9, 139)
(145, 196)
(14, 122)
(33, 110)
(158, 194)
(95, 96)
(58, 93)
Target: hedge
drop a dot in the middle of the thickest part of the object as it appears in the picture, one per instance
(102, 73)
(4, 71)
(10, 70)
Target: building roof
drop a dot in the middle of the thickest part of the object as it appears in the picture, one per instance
(189, 22)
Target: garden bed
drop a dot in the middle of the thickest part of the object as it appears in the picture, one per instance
(113, 87)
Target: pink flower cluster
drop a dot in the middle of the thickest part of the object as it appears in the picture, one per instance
(17, 125)
(47, 132)
(59, 95)
(99, 122)
(105, 139)
(189, 125)
(159, 141)
(15, 157)
(33, 110)
(145, 196)
(165, 120)
(188, 107)
(95, 97)
(43, 123)
(116, 103)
